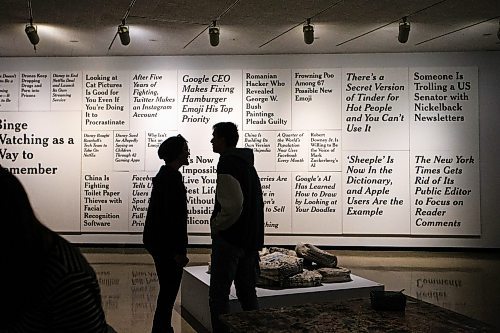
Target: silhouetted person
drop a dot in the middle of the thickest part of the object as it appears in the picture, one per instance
(47, 285)
(165, 231)
(237, 225)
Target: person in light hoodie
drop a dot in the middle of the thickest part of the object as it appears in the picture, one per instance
(237, 225)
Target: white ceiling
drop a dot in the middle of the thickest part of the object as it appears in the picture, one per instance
(87, 27)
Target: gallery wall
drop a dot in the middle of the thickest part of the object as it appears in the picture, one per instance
(352, 150)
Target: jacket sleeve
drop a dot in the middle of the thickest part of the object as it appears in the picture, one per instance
(165, 230)
(230, 197)
(176, 207)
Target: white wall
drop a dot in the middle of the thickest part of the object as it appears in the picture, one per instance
(62, 202)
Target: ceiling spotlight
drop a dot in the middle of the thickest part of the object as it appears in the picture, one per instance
(30, 30)
(32, 34)
(213, 33)
(124, 33)
(308, 30)
(404, 30)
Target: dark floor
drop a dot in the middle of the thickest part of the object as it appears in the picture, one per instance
(465, 282)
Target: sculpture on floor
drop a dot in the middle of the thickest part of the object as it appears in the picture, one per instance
(306, 266)
(314, 254)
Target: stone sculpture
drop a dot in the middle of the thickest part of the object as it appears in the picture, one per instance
(284, 268)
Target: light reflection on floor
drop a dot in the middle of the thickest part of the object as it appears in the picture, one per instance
(463, 282)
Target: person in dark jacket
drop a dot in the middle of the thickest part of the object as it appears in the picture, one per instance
(165, 230)
(237, 225)
(48, 285)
